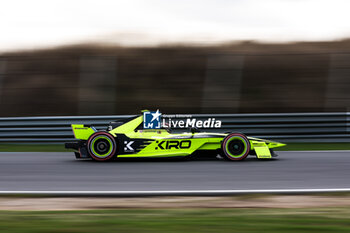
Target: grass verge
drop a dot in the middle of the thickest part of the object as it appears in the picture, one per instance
(314, 146)
(178, 220)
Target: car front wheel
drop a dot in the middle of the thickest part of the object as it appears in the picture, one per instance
(235, 146)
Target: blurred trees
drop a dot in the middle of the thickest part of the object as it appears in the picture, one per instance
(232, 78)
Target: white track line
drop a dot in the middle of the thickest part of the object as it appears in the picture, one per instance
(307, 151)
(173, 192)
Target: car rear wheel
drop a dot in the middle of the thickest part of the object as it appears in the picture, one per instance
(101, 146)
(235, 146)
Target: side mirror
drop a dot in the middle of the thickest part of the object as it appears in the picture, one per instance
(194, 130)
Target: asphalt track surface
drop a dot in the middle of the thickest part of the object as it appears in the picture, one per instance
(61, 172)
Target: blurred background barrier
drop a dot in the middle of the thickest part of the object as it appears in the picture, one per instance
(245, 77)
(284, 127)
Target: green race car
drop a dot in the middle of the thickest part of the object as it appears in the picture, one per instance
(127, 138)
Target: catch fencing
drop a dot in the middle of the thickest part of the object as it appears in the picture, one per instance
(283, 127)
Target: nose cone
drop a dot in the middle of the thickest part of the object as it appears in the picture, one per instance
(272, 144)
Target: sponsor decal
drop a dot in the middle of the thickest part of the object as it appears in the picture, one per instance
(128, 147)
(173, 144)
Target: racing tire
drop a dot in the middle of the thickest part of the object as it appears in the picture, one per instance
(101, 146)
(235, 147)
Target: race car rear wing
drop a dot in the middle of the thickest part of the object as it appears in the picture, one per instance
(83, 132)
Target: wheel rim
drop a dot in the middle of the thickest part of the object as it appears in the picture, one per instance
(101, 146)
(236, 147)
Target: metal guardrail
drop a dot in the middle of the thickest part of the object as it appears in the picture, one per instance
(284, 127)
